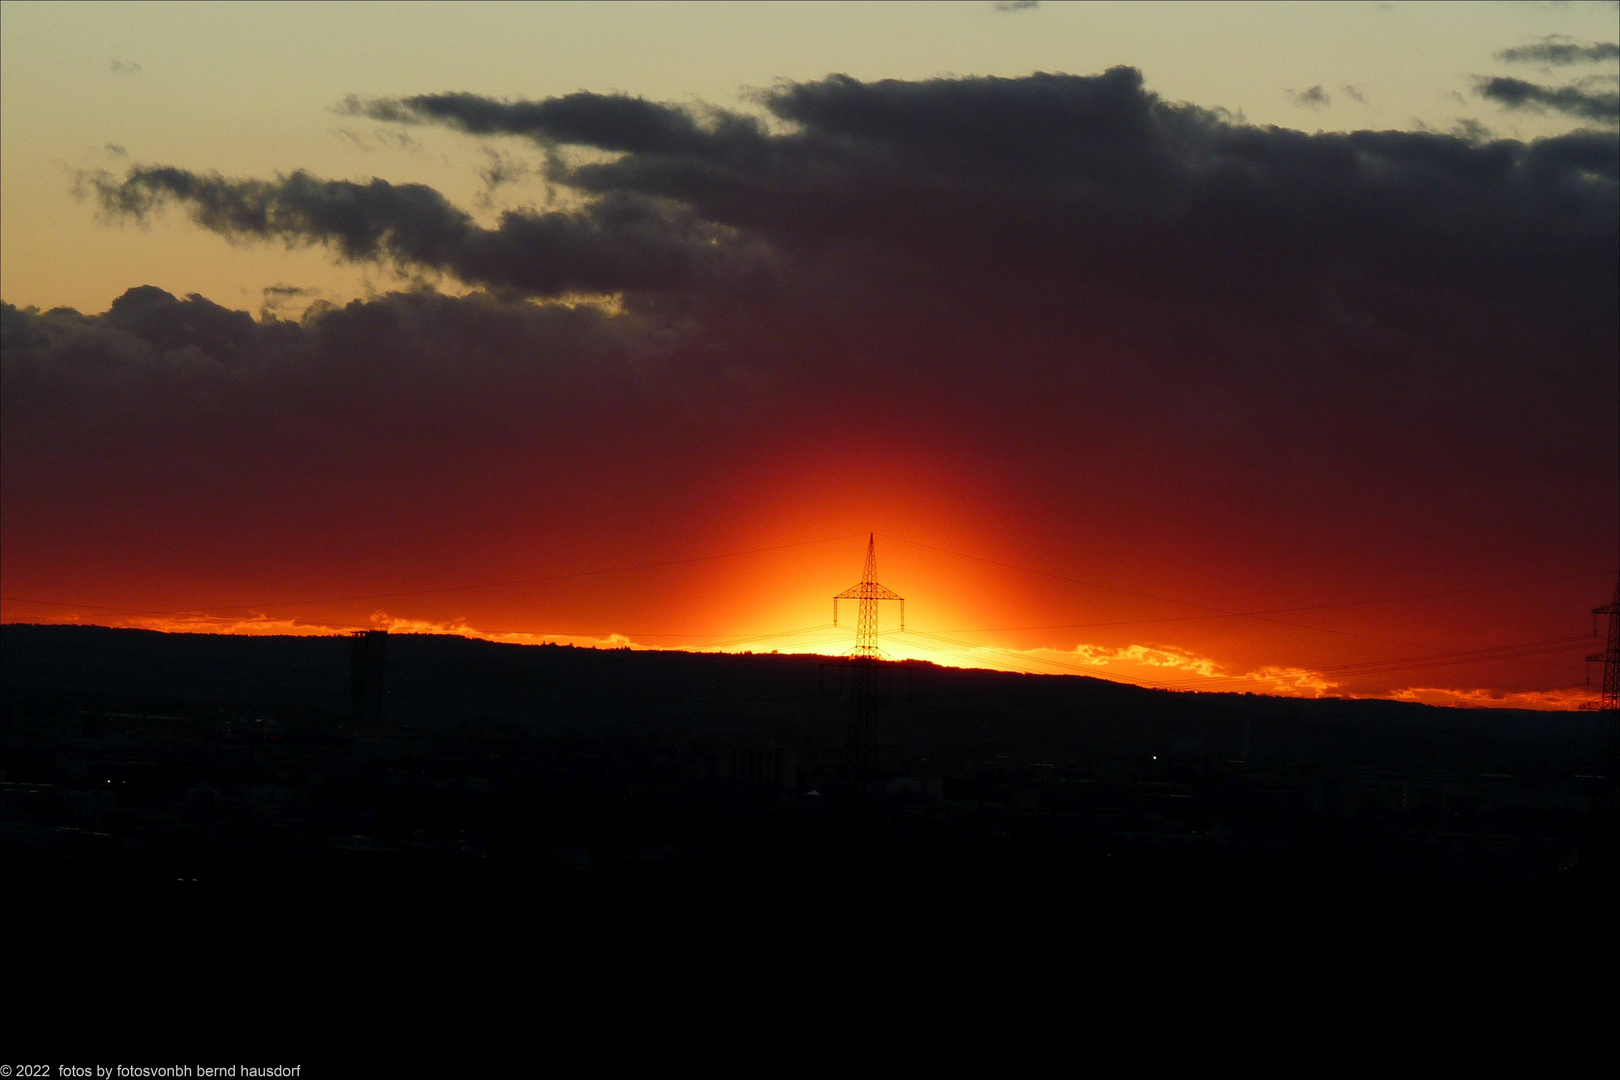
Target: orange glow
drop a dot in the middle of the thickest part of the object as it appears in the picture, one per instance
(798, 533)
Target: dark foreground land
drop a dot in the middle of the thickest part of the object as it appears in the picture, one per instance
(205, 805)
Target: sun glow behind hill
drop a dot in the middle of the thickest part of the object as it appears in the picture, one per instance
(947, 625)
(1227, 377)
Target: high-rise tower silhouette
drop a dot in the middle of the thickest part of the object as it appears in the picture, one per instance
(865, 656)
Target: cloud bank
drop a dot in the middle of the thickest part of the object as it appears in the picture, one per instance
(1582, 100)
(1561, 52)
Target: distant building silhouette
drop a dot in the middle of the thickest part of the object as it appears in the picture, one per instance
(368, 664)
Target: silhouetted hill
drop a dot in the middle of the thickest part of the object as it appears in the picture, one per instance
(207, 802)
(437, 680)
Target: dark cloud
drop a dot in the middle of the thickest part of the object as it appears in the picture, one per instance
(380, 138)
(289, 291)
(1582, 100)
(611, 121)
(120, 66)
(1016, 5)
(1355, 92)
(1313, 98)
(1094, 182)
(403, 352)
(1472, 130)
(1144, 315)
(1083, 208)
(157, 318)
(174, 424)
(617, 242)
(500, 169)
(280, 299)
(1561, 51)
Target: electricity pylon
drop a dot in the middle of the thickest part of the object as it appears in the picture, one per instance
(864, 658)
(1608, 707)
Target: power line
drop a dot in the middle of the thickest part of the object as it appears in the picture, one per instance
(443, 589)
(1087, 669)
(1003, 665)
(1362, 677)
(763, 637)
(1277, 611)
(1511, 651)
(99, 607)
(1486, 652)
(1517, 651)
(735, 636)
(1218, 612)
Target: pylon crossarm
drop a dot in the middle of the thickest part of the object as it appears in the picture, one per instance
(868, 590)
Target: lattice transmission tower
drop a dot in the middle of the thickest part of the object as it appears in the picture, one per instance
(1608, 706)
(864, 659)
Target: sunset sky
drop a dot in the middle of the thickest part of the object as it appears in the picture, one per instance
(1264, 348)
